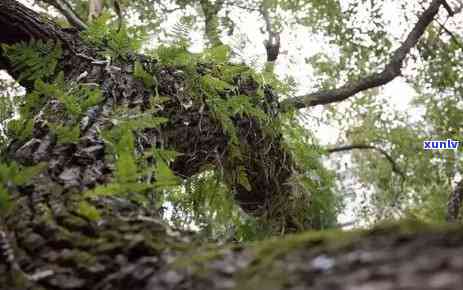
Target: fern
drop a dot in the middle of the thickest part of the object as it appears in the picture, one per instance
(217, 54)
(131, 175)
(177, 55)
(181, 30)
(207, 203)
(13, 175)
(113, 43)
(314, 180)
(148, 80)
(127, 177)
(20, 129)
(34, 60)
(88, 211)
(66, 134)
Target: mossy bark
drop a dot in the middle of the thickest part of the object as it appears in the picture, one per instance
(47, 243)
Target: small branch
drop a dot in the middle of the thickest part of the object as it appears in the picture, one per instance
(451, 34)
(391, 71)
(448, 8)
(395, 167)
(445, 29)
(64, 8)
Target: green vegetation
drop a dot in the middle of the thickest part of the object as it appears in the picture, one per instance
(203, 200)
(11, 176)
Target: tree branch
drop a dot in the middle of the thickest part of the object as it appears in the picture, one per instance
(395, 167)
(453, 37)
(21, 24)
(66, 10)
(390, 72)
(448, 8)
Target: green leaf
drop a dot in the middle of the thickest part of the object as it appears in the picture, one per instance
(89, 211)
(243, 178)
(164, 175)
(66, 134)
(141, 74)
(5, 202)
(218, 54)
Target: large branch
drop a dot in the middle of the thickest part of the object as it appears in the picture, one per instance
(20, 24)
(392, 69)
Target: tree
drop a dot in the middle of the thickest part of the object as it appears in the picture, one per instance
(104, 132)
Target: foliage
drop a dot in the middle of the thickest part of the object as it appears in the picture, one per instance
(133, 174)
(314, 185)
(112, 42)
(89, 211)
(7, 107)
(11, 176)
(34, 60)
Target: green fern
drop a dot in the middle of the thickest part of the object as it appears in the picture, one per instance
(20, 129)
(113, 42)
(88, 211)
(34, 60)
(13, 175)
(66, 134)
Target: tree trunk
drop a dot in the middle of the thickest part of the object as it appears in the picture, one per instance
(46, 243)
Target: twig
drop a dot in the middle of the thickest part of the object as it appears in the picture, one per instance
(395, 167)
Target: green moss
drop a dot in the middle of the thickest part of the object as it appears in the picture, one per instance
(410, 227)
(268, 251)
(266, 272)
(88, 211)
(208, 253)
(79, 258)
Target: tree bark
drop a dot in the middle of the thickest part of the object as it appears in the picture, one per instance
(45, 243)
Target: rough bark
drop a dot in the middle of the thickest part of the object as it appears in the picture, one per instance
(454, 203)
(45, 243)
